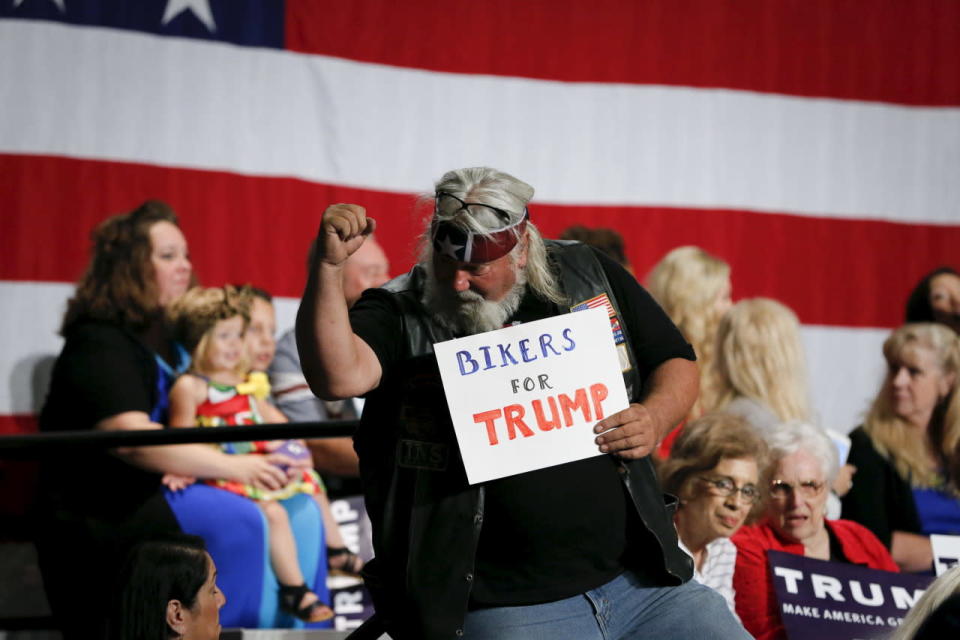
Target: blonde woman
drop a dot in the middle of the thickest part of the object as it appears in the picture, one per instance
(906, 488)
(937, 614)
(693, 287)
(760, 369)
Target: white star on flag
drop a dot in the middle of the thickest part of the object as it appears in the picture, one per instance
(59, 3)
(200, 9)
(449, 248)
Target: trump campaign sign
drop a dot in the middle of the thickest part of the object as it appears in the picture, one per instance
(820, 599)
(527, 397)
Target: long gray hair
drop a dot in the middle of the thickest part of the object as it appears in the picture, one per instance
(503, 191)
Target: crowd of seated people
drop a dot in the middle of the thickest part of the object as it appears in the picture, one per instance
(120, 325)
(160, 365)
(803, 466)
(906, 455)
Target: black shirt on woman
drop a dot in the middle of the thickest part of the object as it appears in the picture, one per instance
(92, 504)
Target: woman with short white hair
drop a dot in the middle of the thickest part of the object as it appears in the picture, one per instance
(803, 465)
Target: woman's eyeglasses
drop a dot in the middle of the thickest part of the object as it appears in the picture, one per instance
(780, 490)
(725, 486)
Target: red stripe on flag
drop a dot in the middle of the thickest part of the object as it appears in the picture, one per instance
(240, 228)
(18, 481)
(17, 424)
(256, 229)
(901, 51)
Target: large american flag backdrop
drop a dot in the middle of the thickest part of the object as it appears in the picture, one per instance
(813, 144)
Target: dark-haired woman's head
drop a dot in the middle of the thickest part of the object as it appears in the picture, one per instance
(139, 264)
(169, 590)
(936, 298)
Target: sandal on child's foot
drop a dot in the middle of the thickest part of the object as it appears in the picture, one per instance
(292, 602)
(343, 562)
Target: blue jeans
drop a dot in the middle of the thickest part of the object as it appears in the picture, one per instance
(618, 610)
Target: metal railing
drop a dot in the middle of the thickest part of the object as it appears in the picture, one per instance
(36, 446)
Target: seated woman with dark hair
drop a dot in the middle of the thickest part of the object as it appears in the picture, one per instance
(114, 373)
(714, 469)
(168, 589)
(803, 465)
(936, 298)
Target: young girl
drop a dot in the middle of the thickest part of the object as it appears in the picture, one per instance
(211, 323)
(261, 349)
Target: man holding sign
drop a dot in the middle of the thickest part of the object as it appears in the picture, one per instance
(584, 549)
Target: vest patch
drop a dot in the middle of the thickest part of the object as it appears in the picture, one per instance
(603, 301)
(597, 301)
(416, 454)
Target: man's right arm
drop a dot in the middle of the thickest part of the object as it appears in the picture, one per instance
(336, 363)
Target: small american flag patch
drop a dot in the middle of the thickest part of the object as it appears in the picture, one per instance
(598, 301)
(603, 301)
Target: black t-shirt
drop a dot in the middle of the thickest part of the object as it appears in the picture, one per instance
(101, 372)
(555, 532)
(879, 499)
(92, 505)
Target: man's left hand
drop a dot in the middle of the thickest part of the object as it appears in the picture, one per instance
(632, 433)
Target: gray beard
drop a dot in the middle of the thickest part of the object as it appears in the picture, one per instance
(467, 312)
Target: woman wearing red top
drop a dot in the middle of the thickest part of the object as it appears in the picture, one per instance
(804, 464)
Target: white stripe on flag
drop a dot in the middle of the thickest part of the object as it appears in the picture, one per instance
(33, 310)
(184, 103)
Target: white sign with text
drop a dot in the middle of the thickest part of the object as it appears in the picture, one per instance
(946, 552)
(528, 396)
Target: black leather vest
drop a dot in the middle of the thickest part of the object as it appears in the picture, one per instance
(426, 518)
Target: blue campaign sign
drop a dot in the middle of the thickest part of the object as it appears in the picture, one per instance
(349, 598)
(819, 599)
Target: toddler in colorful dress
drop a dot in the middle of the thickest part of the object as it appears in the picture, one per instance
(219, 390)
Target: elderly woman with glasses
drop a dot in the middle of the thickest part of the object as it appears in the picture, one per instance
(803, 464)
(714, 469)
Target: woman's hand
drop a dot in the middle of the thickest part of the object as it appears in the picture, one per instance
(844, 481)
(175, 482)
(260, 471)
